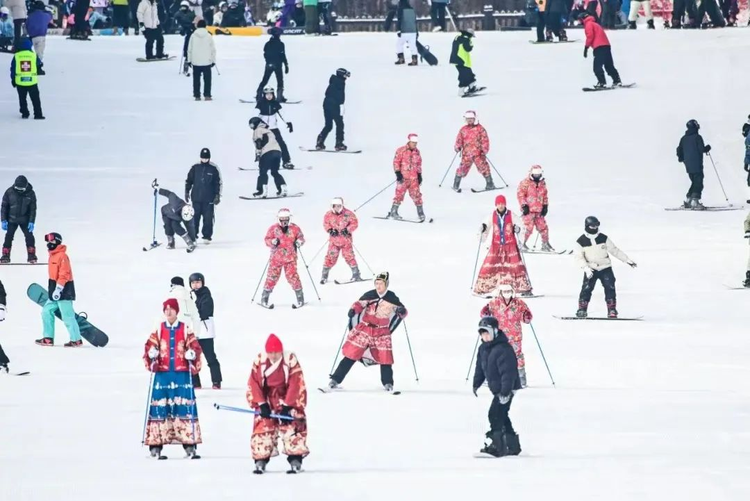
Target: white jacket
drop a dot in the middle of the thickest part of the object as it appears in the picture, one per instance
(188, 311)
(148, 14)
(17, 9)
(592, 252)
(201, 48)
(195, 6)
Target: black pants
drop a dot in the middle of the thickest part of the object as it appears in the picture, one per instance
(438, 15)
(3, 357)
(346, 364)
(465, 76)
(120, 16)
(332, 114)
(540, 24)
(607, 277)
(205, 211)
(678, 11)
(154, 35)
(392, 12)
(603, 62)
(207, 345)
(271, 69)
(711, 8)
(499, 419)
(17, 31)
(554, 23)
(173, 226)
(696, 185)
(197, 72)
(609, 13)
(12, 227)
(285, 157)
(270, 162)
(33, 92)
(324, 11)
(81, 9)
(133, 4)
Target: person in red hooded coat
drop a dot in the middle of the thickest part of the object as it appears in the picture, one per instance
(597, 39)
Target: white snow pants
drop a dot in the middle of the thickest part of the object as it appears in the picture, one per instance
(39, 44)
(409, 39)
(635, 5)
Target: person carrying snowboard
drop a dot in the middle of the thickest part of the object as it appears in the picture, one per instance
(268, 156)
(333, 110)
(4, 360)
(284, 239)
(274, 53)
(597, 40)
(534, 202)
(461, 49)
(474, 143)
(204, 329)
(340, 224)
(174, 214)
(268, 107)
(203, 188)
(406, 28)
(18, 210)
(592, 253)
(690, 151)
(407, 165)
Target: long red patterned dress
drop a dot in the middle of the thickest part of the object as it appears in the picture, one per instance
(502, 263)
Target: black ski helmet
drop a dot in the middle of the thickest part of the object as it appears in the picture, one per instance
(343, 72)
(197, 277)
(591, 223)
(53, 240)
(205, 154)
(489, 324)
(255, 122)
(693, 124)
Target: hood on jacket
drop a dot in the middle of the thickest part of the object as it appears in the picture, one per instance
(60, 249)
(589, 19)
(26, 44)
(201, 33)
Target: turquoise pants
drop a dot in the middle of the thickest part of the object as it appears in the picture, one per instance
(68, 317)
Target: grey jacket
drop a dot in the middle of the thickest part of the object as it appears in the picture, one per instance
(407, 21)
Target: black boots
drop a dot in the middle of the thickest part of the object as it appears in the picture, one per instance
(746, 283)
(502, 444)
(612, 309)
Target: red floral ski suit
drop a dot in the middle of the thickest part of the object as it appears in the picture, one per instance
(510, 315)
(283, 255)
(409, 163)
(474, 144)
(534, 195)
(345, 223)
(277, 385)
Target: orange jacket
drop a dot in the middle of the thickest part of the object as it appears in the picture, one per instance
(60, 273)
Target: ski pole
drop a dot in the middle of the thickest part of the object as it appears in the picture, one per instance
(410, 352)
(148, 402)
(718, 177)
(153, 233)
(308, 273)
(317, 253)
(179, 69)
(261, 280)
(219, 407)
(497, 172)
(542, 352)
(341, 345)
(363, 259)
(473, 354)
(375, 195)
(536, 240)
(476, 262)
(193, 405)
(448, 170)
(217, 69)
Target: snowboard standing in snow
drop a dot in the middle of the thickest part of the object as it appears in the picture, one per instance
(426, 55)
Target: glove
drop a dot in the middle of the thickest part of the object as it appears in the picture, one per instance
(474, 391)
(525, 210)
(399, 176)
(484, 227)
(187, 196)
(189, 65)
(257, 156)
(153, 353)
(5, 225)
(351, 313)
(155, 185)
(544, 210)
(141, 26)
(503, 399)
(217, 200)
(286, 69)
(265, 411)
(401, 311)
(286, 410)
(457, 149)
(2, 312)
(213, 64)
(588, 272)
(398, 34)
(345, 232)
(290, 127)
(57, 293)
(333, 232)
(298, 243)
(190, 355)
(585, 52)
(275, 242)
(516, 229)
(707, 148)
(419, 179)
(632, 264)
(747, 234)
(30, 227)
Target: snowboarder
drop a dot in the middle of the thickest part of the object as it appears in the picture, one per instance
(268, 107)
(690, 151)
(18, 210)
(532, 197)
(592, 255)
(510, 312)
(496, 364)
(463, 44)
(188, 312)
(746, 134)
(340, 223)
(204, 329)
(4, 360)
(746, 283)
(277, 385)
(201, 56)
(174, 214)
(333, 109)
(372, 321)
(24, 70)
(148, 20)
(274, 53)
(283, 238)
(502, 263)
(172, 353)
(62, 292)
(268, 156)
(635, 6)
(407, 164)
(406, 28)
(555, 10)
(597, 39)
(474, 143)
(203, 188)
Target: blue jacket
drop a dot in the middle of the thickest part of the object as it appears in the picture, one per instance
(37, 23)
(6, 28)
(25, 45)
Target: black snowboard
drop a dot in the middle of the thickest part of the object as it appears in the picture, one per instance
(144, 60)
(623, 86)
(426, 55)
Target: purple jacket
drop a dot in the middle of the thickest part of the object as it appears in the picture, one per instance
(37, 23)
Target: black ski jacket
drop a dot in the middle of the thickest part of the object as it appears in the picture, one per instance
(205, 303)
(203, 183)
(268, 108)
(336, 92)
(690, 151)
(234, 17)
(498, 365)
(2, 294)
(19, 207)
(275, 53)
(173, 208)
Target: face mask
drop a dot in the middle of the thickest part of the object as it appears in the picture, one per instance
(536, 177)
(592, 230)
(51, 245)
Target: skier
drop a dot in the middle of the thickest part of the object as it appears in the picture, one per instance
(746, 283)
(172, 354)
(635, 6)
(19, 210)
(372, 321)
(532, 197)
(277, 385)
(592, 255)
(148, 19)
(510, 312)
(24, 70)
(496, 364)
(274, 53)
(340, 223)
(62, 292)
(204, 329)
(203, 188)
(174, 214)
(746, 133)
(333, 110)
(463, 44)
(474, 143)
(284, 238)
(4, 360)
(201, 56)
(188, 313)
(268, 154)
(406, 27)
(268, 107)
(502, 263)
(407, 164)
(597, 39)
(690, 151)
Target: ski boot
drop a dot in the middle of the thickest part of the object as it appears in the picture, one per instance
(583, 307)
(394, 212)
(332, 384)
(696, 204)
(746, 283)
(282, 191)
(632, 25)
(324, 276)
(548, 36)
(355, 274)
(197, 98)
(216, 386)
(207, 240)
(400, 59)
(162, 56)
(320, 143)
(208, 98)
(5, 259)
(295, 464)
(191, 451)
(471, 89)
(611, 309)
(457, 184)
(261, 193)
(280, 95)
(600, 85)
(31, 255)
(45, 341)
(650, 24)
(563, 35)
(170, 242)
(420, 213)
(546, 247)
(260, 466)
(189, 242)
(300, 298)
(73, 344)
(288, 166)
(462, 91)
(264, 297)
(155, 451)
(524, 247)
(522, 377)
(388, 388)
(414, 61)
(489, 183)
(512, 444)
(617, 83)
(340, 146)
(496, 447)
(4, 369)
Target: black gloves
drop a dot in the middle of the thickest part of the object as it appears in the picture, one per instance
(399, 176)
(333, 232)
(217, 200)
(13, 83)
(474, 391)
(345, 232)
(419, 178)
(212, 64)
(484, 227)
(544, 210)
(286, 69)
(401, 311)
(707, 148)
(275, 242)
(286, 410)
(290, 127)
(351, 313)
(265, 411)
(585, 52)
(525, 210)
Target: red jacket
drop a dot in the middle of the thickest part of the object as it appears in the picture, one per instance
(286, 251)
(408, 162)
(345, 220)
(184, 339)
(595, 36)
(277, 384)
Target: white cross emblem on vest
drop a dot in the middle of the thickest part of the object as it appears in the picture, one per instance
(25, 66)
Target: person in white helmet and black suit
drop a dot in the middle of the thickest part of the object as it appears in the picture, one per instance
(175, 214)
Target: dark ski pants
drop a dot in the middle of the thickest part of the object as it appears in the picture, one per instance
(285, 157)
(173, 226)
(133, 4)
(465, 76)
(199, 71)
(607, 277)
(332, 114)
(325, 14)
(678, 11)
(120, 16)
(12, 227)
(207, 345)
(3, 357)
(540, 24)
(17, 31)
(711, 8)
(33, 92)
(271, 70)
(153, 35)
(438, 15)
(346, 364)
(205, 211)
(80, 10)
(609, 13)
(392, 12)
(696, 185)
(270, 162)
(554, 24)
(498, 415)
(603, 61)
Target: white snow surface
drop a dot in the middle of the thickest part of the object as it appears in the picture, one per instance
(650, 411)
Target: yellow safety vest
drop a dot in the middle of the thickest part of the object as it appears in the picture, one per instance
(26, 75)
(463, 55)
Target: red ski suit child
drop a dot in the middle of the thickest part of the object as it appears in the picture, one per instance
(533, 199)
(283, 242)
(510, 314)
(408, 167)
(340, 226)
(474, 144)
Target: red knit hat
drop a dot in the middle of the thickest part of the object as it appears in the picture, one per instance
(172, 303)
(500, 199)
(273, 344)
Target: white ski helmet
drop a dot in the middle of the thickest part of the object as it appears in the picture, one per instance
(185, 3)
(505, 291)
(536, 170)
(471, 114)
(5, 10)
(284, 214)
(187, 212)
(412, 138)
(337, 201)
(269, 90)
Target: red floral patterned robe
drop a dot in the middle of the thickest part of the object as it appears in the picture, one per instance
(502, 263)
(510, 315)
(373, 324)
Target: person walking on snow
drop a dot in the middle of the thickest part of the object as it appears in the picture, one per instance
(597, 39)
(592, 255)
(19, 211)
(268, 156)
(284, 239)
(534, 202)
(203, 188)
(635, 6)
(277, 386)
(148, 19)
(174, 214)
(268, 107)
(690, 151)
(407, 164)
(24, 70)
(19, 13)
(204, 329)
(62, 292)
(274, 52)
(340, 224)
(333, 110)
(201, 56)
(474, 143)
(461, 49)
(188, 312)
(406, 28)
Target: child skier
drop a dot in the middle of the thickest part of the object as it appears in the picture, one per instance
(463, 44)
(690, 151)
(268, 107)
(274, 53)
(333, 110)
(19, 211)
(268, 154)
(597, 39)
(174, 214)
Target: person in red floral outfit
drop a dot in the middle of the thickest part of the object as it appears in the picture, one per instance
(474, 143)
(407, 164)
(284, 238)
(340, 223)
(533, 199)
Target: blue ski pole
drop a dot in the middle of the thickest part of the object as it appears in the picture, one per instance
(148, 403)
(250, 411)
(542, 352)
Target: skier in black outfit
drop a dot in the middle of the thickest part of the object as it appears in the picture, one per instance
(268, 156)
(275, 56)
(268, 107)
(4, 360)
(203, 190)
(19, 210)
(205, 331)
(497, 364)
(333, 110)
(690, 151)
(174, 214)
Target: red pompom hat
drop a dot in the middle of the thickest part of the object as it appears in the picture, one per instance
(500, 199)
(273, 344)
(172, 303)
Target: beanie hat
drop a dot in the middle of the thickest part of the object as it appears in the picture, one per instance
(21, 182)
(273, 344)
(172, 303)
(178, 281)
(500, 199)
